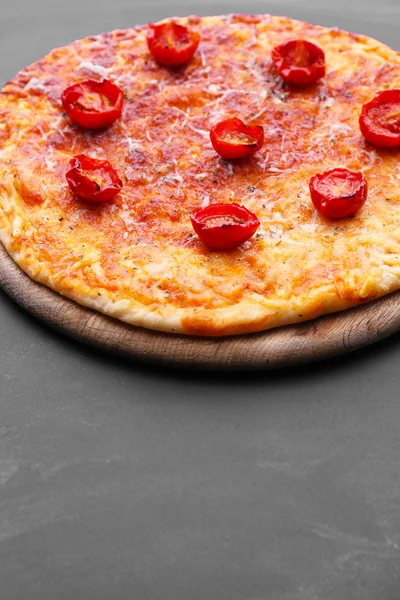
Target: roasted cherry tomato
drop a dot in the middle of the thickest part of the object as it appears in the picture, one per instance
(93, 104)
(172, 44)
(233, 139)
(299, 62)
(92, 180)
(338, 193)
(224, 226)
(380, 119)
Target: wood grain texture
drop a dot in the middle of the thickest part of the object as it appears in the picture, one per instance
(321, 338)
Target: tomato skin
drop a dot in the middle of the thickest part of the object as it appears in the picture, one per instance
(109, 96)
(171, 44)
(338, 193)
(226, 138)
(88, 189)
(299, 62)
(235, 225)
(385, 134)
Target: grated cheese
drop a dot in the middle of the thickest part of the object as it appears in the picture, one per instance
(50, 163)
(206, 201)
(127, 218)
(133, 144)
(372, 157)
(330, 131)
(200, 131)
(34, 84)
(182, 112)
(213, 89)
(94, 68)
(203, 59)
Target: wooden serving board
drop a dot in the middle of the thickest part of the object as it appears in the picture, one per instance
(321, 338)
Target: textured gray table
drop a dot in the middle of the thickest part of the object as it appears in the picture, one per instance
(119, 481)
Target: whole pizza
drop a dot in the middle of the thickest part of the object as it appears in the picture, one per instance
(207, 176)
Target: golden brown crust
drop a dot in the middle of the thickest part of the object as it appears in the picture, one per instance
(137, 258)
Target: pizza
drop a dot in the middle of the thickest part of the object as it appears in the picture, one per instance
(206, 175)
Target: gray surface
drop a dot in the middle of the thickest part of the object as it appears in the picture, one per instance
(119, 481)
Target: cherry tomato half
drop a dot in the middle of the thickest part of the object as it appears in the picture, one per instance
(338, 193)
(93, 104)
(172, 44)
(224, 226)
(299, 62)
(233, 139)
(92, 180)
(380, 119)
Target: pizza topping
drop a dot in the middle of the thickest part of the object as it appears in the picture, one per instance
(172, 44)
(299, 62)
(92, 180)
(233, 139)
(224, 226)
(380, 119)
(93, 104)
(338, 193)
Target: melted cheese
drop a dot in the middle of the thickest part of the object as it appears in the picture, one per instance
(88, 65)
(137, 258)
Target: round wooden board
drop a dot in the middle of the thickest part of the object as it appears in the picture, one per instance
(321, 338)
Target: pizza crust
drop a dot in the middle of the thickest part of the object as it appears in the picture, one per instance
(137, 259)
